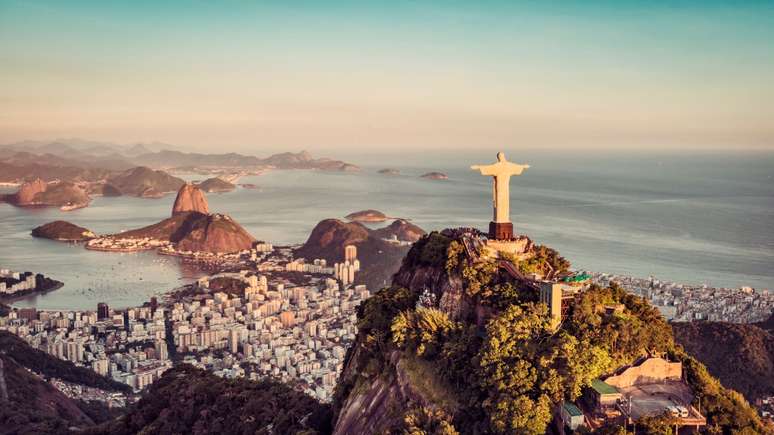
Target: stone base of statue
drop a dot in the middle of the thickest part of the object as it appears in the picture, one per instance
(500, 230)
(520, 247)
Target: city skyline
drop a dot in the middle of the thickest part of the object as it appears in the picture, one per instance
(345, 75)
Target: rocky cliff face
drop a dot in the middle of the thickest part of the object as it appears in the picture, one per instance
(377, 400)
(379, 404)
(448, 290)
(190, 198)
(28, 191)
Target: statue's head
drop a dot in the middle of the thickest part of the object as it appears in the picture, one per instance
(501, 156)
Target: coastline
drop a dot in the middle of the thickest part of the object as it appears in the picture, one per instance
(101, 249)
(14, 297)
(74, 206)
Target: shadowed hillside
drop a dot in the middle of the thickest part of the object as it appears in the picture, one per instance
(740, 355)
(30, 405)
(187, 400)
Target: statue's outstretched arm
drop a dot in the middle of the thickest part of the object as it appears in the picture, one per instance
(485, 169)
(518, 169)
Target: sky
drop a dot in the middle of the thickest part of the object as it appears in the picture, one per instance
(288, 75)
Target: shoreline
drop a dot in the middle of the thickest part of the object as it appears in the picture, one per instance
(119, 250)
(10, 299)
(74, 206)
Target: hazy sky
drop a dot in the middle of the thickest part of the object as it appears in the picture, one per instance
(236, 75)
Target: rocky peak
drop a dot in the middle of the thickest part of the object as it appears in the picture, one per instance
(190, 198)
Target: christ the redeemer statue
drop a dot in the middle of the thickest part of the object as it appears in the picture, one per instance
(501, 227)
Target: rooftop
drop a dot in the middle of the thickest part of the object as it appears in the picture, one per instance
(602, 387)
(572, 409)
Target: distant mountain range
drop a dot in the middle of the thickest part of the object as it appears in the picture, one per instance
(84, 160)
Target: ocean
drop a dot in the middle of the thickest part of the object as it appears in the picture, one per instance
(684, 217)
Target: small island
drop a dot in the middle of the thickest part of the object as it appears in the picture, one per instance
(389, 171)
(63, 231)
(348, 167)
(216, 185)
(435, 176)
(367, 216)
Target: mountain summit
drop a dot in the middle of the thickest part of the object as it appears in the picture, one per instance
(190, 198)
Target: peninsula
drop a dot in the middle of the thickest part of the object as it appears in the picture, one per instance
(192, 232)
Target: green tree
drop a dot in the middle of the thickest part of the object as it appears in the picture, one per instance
(526, 368)
(424, 421)
(663, 424)
(422, 331)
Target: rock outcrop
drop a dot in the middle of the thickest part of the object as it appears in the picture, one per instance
(215, 233)
(63, 231)
(190, 198)
(28, 191)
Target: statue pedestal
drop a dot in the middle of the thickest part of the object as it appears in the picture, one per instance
(500, 230)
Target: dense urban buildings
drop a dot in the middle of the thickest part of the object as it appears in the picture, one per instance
(686, 303)
(282, 317)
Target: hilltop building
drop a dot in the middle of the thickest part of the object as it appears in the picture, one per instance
(560, 295)
(649, 387)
